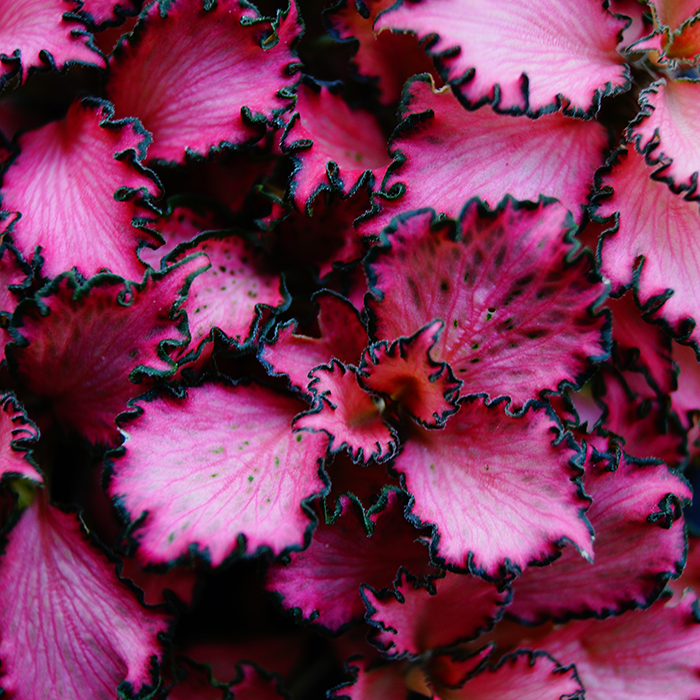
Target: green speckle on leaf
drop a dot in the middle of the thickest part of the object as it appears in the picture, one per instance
(171, 537)
(218, 450)
(215, 475)
(277, 461)
(298, 438)
(251, 477)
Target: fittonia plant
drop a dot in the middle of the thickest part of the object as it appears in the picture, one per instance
(349, 352)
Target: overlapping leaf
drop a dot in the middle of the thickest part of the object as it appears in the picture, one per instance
(348, 414)
(81, 344)
(17, 434)
(445, 154)
(511, 54)
(341, 336)
(637, 656)
(667, 131)
(417, 620)
(323, 139)
(518, 316)
(322, 583)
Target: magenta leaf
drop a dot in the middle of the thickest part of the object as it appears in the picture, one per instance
(66, 169)
(82, 344)
(453, 609)
(322, 583)
(650, 222)
(666, 131)
(100, 13)
(17, 436)
(518, 310)
(613, 658)
(639, 345)
(68, 626)
(231, 485)
(204, 75)
(235, 295)
(502, 492)
(181, 222)
(405, 373)
(37, 36)
(348, 414)
(524, 675)
(322, 137)
(641, 422)
(342, 337)
(386, 59)
(639, 545)
(445, 154)
(530, 58)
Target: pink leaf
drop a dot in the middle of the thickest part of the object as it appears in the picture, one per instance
(201, 78)
(667, 132)
(404, 372)
(348, 414)
(653, 246)
(521, 676)
(500, 491)
(637, 656)
(639, 345)
(518, 314)
(639, 545)
(419, 620)
(35, 36)
(445, 154)
(234, 484)
(386, 59)
(65, 170)
(530, 57)
(323, 141)
(342, 337)
(178, 224)
(234, 294)
(68, 626)
(17, 435)
(642, 422)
